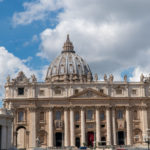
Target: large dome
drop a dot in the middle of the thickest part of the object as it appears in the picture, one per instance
(68, 66)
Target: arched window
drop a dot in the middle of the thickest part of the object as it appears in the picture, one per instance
(71, 68)
(77, 116)
(102, 116)
(119, 114)
(54, 70)
(90, 115)
(41, 116)
(62, 69)
(135, 115)
(20, 116)
(58, 115)
(79, 69)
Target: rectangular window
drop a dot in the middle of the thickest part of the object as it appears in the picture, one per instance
(134, 92)
(118, 91)
(77, 116)
(58, 115)
(57, 91)
(77, 126)
(101, 91)
(76, 91)
(90, 115)
(102, 126)
(41, 93)
(20, 91)
(20, 116)
(102, 116)
(41, 116)
(120, 114)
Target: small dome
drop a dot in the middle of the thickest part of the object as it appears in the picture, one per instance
(68, 66)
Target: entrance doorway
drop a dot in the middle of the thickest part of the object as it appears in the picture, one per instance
(58, 136)
(103, 140)
(21, 137)
(90, 139)
(77, 142)
(120, 137)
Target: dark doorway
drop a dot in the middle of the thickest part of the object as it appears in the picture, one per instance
(120, 138)
(58, 136)
(103, 140)
(77, 142)
(90, 139)
(0, 136)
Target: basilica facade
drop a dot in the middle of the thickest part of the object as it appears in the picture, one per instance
(73, 108)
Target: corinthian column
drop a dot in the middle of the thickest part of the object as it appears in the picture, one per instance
(66, 139)
(108, 123)
(128, 121)
(32, 128)
(114, 126)
(144, 121)
(97, 126)
(50, 140)
(72, 131)
(82, 126)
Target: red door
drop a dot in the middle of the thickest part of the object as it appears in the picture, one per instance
(90, 139)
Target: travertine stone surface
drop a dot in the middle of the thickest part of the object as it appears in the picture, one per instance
(70, 108)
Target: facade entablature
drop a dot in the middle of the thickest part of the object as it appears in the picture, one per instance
(23, 87)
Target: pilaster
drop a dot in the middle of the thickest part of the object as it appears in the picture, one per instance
(72, 130)
(82, 126)
(66, 128)
(114, 126)
(32, 128)
(108, 123)
(50, 132)
(129, 128)
(98, 134)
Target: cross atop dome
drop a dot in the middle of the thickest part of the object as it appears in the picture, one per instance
(68, 46)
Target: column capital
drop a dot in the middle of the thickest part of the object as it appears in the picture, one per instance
(51, 108)
(113, 107)
(144, 107)
(83, 107)
(72, 108)
(128, 107)
(97, 107)
(66, 108)
(32, 109)
(108, 107)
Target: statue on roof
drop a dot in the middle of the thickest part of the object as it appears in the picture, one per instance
(33, 77)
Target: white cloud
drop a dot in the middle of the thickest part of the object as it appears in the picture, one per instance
(35, 10)
(11, 65)
(110, 36)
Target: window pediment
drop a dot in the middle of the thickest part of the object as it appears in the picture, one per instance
(89, 93)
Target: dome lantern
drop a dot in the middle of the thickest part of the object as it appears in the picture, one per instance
(68, 46)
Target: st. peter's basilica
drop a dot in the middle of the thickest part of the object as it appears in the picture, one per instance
(73, 108)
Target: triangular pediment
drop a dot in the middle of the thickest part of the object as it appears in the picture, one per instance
(89, 93)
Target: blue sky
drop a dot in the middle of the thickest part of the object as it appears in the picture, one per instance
(19, 39)
(112, 36)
